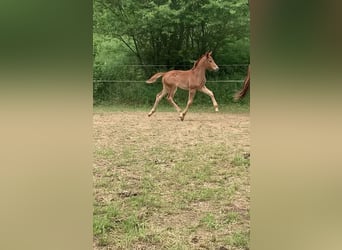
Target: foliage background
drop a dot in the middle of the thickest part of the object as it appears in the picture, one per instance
(134, 39)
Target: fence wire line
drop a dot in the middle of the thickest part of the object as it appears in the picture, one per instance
(166, 65)
(163, 65)
(128, 81)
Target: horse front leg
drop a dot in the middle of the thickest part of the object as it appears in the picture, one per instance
(192, 93)
(208, 92)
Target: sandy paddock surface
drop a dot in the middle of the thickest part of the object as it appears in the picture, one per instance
(165, 127)
(182, 181)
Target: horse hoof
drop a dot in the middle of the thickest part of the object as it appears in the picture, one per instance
(151, 113)
(181, 116)
(216, 110)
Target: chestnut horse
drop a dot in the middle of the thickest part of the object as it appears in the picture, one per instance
(245, 87)
(191, 80)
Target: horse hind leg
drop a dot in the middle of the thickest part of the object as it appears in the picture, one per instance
(159, 96)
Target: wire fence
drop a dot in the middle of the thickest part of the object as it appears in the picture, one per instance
(126, 83)
(135, 81)
(167, 65)
(228, 73)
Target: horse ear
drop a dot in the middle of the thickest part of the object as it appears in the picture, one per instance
(209, 53)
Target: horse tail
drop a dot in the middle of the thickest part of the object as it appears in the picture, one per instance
(243, 91)
(245, 88)
(155, 77)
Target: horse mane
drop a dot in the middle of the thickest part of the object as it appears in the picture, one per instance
(197, 62)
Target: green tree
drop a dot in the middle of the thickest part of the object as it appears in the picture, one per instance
(172, 32)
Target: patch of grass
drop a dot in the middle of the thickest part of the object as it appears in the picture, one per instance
(104, 219)
(209, 221)
(203, 174)
(103, 240)
(207, 194)
(132, 229)
(145, 200)
(231, 217)
(104, 153)
(239, 239)
(133, 226)
(240, 160)
(198, 195)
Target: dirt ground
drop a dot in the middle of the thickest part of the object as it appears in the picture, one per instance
(184, 181)
(165, 127)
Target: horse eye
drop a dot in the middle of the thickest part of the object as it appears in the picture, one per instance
(210, 61)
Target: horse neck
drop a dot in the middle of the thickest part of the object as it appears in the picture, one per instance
(200, 68)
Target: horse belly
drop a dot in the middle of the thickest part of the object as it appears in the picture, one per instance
(183, 85)
(178, 79)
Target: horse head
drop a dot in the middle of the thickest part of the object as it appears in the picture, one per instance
(209, 62)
